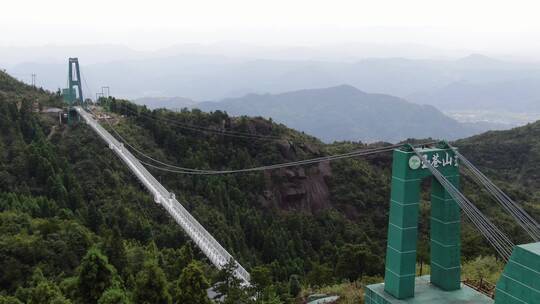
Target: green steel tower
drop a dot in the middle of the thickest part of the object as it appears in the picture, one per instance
(400, 282)
(71, 96)
(407, 175)
(520, 282)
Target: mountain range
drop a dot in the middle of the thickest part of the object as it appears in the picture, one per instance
(468, 83)
(346, 113)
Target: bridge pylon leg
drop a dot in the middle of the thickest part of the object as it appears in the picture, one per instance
(400, 267)
(445, 237)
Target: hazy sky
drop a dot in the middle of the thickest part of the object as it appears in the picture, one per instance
(511, 27)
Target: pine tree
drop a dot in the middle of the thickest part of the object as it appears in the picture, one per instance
(114, 296)
(294, 286)
(230, 286)
(115, 250)
(260, 279)
(94, 218)
(47, 292)
(192, 285)
(151, 285)
(186, 255)
(95, 276)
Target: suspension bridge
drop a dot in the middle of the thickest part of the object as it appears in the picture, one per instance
(204, 240)
(520, 282)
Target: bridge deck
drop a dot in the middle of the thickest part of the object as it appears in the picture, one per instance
(202, 238)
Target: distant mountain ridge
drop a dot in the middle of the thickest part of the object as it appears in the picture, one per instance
(346, 113)
(214, 77)
(173, 103)
(521, 95)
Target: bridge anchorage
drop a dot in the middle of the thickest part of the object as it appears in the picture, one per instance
(520, 281)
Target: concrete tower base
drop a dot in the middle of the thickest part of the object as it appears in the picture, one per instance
(426, 293)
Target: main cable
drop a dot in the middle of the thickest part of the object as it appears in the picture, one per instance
(87, 87)
(495, 237)
(184, 170)
(492, 234)
(517, 212)
(174, 168)
(275, 166)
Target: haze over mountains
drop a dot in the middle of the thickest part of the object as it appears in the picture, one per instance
(480, 92)
(199, 74)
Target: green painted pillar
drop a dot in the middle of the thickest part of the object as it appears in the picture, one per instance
(445, 237)
(520, 281)
(400, 267)
(400, 264)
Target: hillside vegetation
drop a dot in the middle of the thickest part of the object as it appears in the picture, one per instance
(68, 205)
(512, 158)
(77, 227)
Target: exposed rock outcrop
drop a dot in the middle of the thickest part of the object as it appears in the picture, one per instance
(299, 188)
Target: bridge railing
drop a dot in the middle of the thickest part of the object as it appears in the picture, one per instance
(202, 238)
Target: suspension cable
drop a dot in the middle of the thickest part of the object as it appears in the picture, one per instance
(184, 170)
(495, 237)
(268, 167)
(87, 87)
(275, 166)
(517, 212)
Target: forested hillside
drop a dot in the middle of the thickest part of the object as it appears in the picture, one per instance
(512, 158)
(77, 227)
(513, 155)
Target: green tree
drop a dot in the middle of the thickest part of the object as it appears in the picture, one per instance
(192, 285)
(94, 218)
(486, 268)
(114, 296)
(320, 275)
(47, 292)
(40, 290)
(229, 286)
(354, 261)
(294, 285)
(260, 279)
(186, 254)
(115, 250)
(9, 300)
(151, 285)
(95, 276)
(269, 297)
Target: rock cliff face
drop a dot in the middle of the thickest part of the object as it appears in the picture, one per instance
(298, 188)
(302, 188)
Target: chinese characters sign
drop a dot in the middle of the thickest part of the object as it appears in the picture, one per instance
(437, 159)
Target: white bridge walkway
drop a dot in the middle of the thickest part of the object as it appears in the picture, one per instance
(204, 240)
